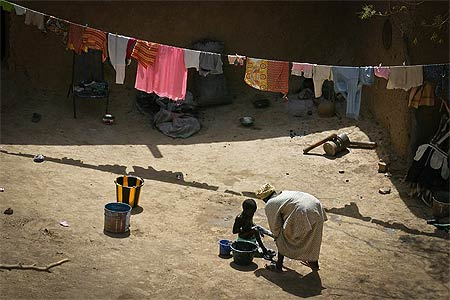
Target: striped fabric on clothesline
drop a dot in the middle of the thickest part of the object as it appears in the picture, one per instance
(149, 60)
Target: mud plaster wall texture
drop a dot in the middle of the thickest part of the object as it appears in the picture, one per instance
(285, 31)
(390, 107)
(319, 32)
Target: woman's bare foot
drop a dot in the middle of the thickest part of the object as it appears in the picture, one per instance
(274, 267)
(314, 265)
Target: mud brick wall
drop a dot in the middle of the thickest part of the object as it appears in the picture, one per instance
(319, 32)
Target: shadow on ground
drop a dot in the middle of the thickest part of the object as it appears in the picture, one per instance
(248, 268)
(57, 127)
(148, 173)
(351, 210)
(293, 282)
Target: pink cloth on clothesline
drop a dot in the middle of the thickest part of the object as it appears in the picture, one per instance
(304, 69)
(167, 77)
(382, 72)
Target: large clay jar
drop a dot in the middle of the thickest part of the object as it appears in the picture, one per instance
(326, 109)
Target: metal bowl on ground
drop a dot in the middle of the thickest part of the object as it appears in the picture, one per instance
(247, 121)
(243, 252)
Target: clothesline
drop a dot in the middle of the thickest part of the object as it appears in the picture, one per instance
(87, 26)
(162, 69)
(207, 52)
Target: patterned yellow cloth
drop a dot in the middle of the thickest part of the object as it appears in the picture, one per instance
(267, 75)
(256, 73)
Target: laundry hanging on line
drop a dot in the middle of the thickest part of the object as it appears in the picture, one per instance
(145, 52)
(58, 27)
(382, 72)
(167, 76)
(212, 63)
(95, 39)
(75, 38)
(20, 10)
(302, 69)
(349, 81)
(117, 51)
(422, 95)
(266, 75)
(34, 18)
(405, 77)
(320, 74)
(236, 59)
(192, 59)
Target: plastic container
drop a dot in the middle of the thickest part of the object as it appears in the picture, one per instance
(128, 189)
(243, 252)
(117, 217)
(224, 248)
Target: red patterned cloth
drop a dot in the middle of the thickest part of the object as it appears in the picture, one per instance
(145, 52)
(267, 75)
(74, 41)
(278, 76)
(95, 39)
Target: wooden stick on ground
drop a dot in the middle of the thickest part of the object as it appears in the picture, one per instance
(33, 266)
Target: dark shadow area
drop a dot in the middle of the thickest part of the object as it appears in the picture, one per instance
(293, 282)
(120, 170)
(224, 256)
(90, 131)
(232, 192)
(169, 177)
(249, 194)
(96, 133)
(137, 210)
(251, 267)
(155, 151)
(150, 173)
(439, 268)
(117, 235)
(351, 210)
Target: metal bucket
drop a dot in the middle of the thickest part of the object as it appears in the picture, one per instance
(117, 217)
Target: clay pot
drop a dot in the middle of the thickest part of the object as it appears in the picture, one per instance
(326, 109)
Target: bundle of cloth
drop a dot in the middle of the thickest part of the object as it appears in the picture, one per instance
(173, 120)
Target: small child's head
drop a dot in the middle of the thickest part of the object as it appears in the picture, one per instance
(249, 207)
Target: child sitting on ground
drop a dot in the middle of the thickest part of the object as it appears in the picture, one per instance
(245, 228)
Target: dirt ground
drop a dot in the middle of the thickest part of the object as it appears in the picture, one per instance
(374, 246)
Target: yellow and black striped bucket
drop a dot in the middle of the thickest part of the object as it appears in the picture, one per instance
(128, 189)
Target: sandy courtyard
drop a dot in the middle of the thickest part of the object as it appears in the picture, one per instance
(374, 246)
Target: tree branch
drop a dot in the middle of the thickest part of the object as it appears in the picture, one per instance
(33, 266)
